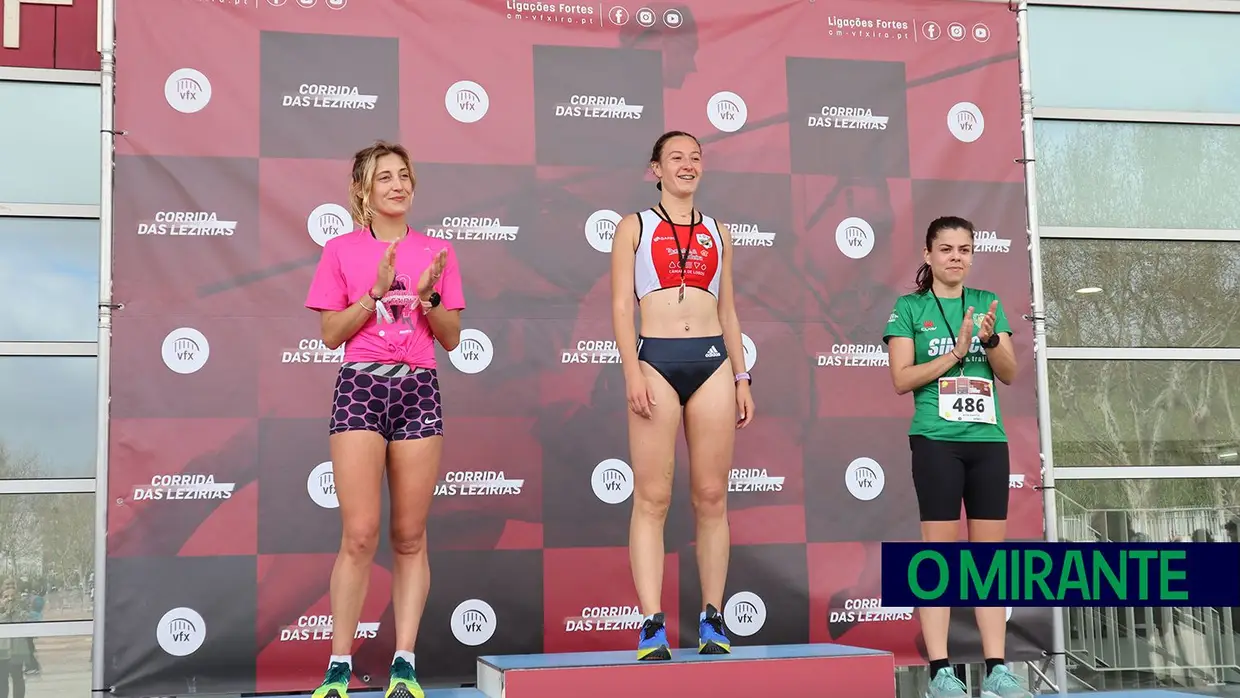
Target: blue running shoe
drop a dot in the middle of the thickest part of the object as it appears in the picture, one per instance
(652, 640)
(711, 637)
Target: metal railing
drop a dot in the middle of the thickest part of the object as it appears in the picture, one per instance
(1190, 647)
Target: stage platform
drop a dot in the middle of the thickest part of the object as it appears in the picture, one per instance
(786, 671)
(783, 671)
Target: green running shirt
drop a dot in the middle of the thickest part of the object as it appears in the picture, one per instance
(917, 316)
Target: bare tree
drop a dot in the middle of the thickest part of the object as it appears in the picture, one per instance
(17, 540)
(49, 534)
(67, 527)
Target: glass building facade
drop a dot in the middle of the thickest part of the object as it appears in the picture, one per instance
(50, 234)
(1137, 147)
(1137, 141)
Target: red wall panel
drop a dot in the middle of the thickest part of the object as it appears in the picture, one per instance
(54, 36)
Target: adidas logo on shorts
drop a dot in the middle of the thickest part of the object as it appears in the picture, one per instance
(712, 352)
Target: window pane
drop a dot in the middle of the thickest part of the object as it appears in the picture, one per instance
(50, 146)
(1153, 293)
(63, 668)
(1145, 412)
(1134, 59)
(47, 417)
(52, 264)
(1133, 647)
(47, 556)
(1130, 175)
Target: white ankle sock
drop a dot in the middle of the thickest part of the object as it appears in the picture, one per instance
(346, 658)
(407, 656)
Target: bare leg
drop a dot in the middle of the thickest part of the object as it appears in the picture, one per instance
(936, 621)
(652, 447)
(991, 620)
(710, 429)
(357, 466)
(412, 473)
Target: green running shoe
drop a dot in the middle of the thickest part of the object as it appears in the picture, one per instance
(403, 682)
(336, 682)
(1002, 683)
(946, 684)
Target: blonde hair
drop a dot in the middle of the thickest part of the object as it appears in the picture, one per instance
(365, 162)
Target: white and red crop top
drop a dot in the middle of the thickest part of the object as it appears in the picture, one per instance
(659, 255)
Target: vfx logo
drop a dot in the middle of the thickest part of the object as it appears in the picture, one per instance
(185, 350)
(864, 479)
(727, 111)
(612, 481)
(331, 223)
(187, 90)
(328, 221)
(181, 629)
(181, 632)
(467, 101)
(321, 486)
(855, 237)
(744, 613)
(601, 229)
(473, 622)
(474, 353)
(966, 122)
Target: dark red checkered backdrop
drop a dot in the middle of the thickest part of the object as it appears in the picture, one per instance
(833, 133)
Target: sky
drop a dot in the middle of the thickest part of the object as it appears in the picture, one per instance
(49, 269)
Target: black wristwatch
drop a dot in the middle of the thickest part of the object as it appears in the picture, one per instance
(992, 342)
(434, 300)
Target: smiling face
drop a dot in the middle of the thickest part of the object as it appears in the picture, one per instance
(392, 191)
(950, 254)
(678, 165)
(383, 183)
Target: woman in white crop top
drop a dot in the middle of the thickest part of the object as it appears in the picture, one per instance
(675, 265)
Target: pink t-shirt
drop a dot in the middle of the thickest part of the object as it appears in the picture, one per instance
(347, 272)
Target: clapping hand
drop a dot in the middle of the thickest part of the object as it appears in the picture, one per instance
(988, 322)
(964, 341)
(386, 272)
(432, 273)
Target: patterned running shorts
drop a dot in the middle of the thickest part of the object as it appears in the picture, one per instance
(398, 401)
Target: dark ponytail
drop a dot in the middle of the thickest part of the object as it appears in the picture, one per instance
(657, 153)
(925, 276)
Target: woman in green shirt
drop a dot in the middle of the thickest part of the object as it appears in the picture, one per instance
(947, 344)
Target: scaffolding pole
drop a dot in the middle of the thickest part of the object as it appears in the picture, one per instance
(107, 82)
(1050, 518)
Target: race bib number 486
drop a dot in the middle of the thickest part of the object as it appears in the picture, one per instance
(965, 399)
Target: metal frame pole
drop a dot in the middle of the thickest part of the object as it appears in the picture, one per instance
(1050, 516)
(107, 60)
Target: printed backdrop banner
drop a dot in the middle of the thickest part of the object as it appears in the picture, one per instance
(833, 132)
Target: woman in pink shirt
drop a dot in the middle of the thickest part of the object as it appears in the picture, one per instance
(388, 293)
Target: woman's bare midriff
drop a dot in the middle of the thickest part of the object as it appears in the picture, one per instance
(662, 315)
